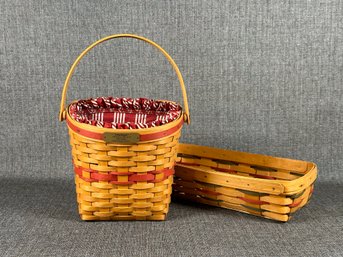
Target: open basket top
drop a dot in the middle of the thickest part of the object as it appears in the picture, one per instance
(124, 113)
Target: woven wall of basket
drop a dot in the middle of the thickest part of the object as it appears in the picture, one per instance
(270, 187)
(124, 150)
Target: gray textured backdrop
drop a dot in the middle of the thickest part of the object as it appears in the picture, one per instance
(262, 76)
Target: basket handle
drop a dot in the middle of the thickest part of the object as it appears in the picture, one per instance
(62, 113)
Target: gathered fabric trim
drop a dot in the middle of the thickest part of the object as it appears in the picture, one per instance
(124, 113)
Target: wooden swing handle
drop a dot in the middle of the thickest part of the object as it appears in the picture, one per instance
(62, 113)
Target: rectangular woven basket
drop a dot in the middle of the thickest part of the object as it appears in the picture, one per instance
(270, 187)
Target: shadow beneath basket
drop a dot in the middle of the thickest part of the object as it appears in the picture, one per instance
(38, 197)
(325, 203)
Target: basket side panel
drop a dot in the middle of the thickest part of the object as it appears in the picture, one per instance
(123, 182)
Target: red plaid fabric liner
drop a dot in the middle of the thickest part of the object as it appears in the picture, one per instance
(124, 113)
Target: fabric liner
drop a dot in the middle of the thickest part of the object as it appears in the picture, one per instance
(124, 113)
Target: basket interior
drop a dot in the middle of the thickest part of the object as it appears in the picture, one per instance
(240, 169)
(124, 113)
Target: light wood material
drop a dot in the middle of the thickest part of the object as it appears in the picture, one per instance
(63, 110)
(142, 200)
(261, 185)
(123, 174)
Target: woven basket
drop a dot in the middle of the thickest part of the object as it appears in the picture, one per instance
(274, 188)
(123, 174)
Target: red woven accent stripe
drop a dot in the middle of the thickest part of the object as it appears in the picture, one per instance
(145, 137)
(209, 192)
(83, 132)
(145, 177)
(311, 190)
(296, 204)
(252, 201)
(112, 177)
(157, 135)
(103, 177)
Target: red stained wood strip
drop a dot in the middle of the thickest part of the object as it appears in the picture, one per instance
(156, 172)
(162, 134)
(103, 177)
(209, 192)
(296, 204)
(252, 201)
(146, 137)
(78, 171)
(112, 177)
(168, 172)
(145, 177)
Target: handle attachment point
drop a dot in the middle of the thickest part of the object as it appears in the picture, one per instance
(186, 118)
(62, 115)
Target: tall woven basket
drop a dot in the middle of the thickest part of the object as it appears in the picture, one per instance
(124, 166)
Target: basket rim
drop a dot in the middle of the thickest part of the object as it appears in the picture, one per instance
(275, 187)
(141, 131)
(125, 136)
(89, 110)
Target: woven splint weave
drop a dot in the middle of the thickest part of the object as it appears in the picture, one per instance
(124, 150)
(270, 187)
